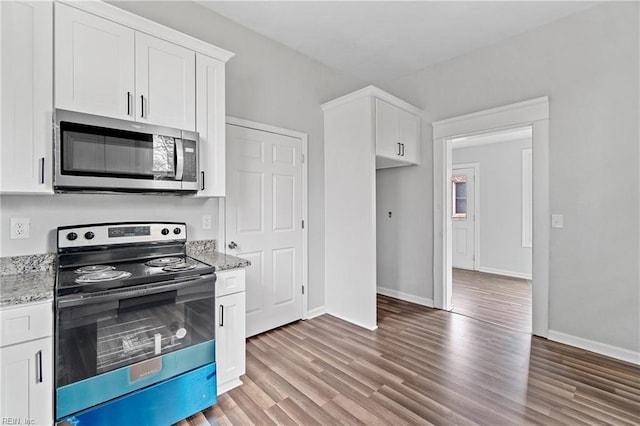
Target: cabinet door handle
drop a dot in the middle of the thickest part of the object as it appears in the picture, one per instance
(399, 148)
(41, 170)
(402, 149)
(142, 106)
(128, 103)
(202, 185)
(221, 316)
(39, 378)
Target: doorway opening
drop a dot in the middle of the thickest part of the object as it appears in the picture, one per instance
(533, 113)
(492, 257)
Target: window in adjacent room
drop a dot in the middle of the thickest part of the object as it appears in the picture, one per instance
(459, 197)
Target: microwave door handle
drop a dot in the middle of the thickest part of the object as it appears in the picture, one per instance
(179, 159)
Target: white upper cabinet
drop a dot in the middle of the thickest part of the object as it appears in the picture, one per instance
(165, 83)
(210, 124)
(397, 135)
(108, 69)
(94, 64)
(27, 97)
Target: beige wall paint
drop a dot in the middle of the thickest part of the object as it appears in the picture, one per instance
(588, 65)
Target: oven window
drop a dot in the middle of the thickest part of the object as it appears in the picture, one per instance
(96, 338)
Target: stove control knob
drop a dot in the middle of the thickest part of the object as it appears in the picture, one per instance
(177, 231)
(164, 231)
(89, 235)
(72, 236)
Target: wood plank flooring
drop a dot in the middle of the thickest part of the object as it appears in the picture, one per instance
(496, 299)
(422, 366)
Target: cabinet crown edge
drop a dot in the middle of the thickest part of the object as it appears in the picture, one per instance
(144, 25)
(371, 91)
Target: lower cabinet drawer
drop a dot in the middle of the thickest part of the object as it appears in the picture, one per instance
(25, 322)
(229, 282)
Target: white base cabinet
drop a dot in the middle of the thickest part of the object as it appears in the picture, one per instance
(27, 97)
(26, 366)
(230, 328)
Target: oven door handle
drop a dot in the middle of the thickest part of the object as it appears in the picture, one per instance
(130, 292)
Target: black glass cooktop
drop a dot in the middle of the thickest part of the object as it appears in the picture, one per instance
(73, 279)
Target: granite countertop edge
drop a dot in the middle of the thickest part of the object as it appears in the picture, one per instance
(23, 287)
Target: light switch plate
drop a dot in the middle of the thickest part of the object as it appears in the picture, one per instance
(206, 221)
(557, 221)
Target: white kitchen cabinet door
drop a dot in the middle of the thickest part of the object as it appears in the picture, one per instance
(230, 340)
(210, 124)
(27, 97)
(26, 380)
(94, 64)
(397, 136)
(387, 130)
(165, 83)
(409, 130)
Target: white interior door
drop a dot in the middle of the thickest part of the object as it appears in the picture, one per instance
(264, 222)
(463, 217)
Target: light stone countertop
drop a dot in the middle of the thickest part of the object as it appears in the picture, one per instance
(221, 261)
(28, 279)
(26, 288)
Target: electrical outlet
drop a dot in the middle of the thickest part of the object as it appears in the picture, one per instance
(20, 228)
(206, 221)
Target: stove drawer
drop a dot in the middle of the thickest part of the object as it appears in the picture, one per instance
(25, 322)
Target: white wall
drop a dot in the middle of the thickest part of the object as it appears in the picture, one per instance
(588, 65)
(49, 212)
(266, 82)
(404, 243)
(500, 193)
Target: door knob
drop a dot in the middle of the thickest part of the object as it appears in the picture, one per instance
(232, 245)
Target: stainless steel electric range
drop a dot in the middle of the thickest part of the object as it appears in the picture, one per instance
(135, 332)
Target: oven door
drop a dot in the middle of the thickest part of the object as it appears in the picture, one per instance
(111, 343)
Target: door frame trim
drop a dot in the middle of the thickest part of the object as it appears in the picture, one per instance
(476, 209)
(304, 139)
(533, 112)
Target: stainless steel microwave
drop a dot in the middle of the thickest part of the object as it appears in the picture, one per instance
(94, 153)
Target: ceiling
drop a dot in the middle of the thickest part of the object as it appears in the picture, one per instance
(383, 40)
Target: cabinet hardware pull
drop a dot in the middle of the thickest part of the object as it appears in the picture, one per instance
(42, 170)
(402, 149)
(202, 186)
(398, 147)
(128, 103)
(39, 378)
(142, 106)
(221, 319)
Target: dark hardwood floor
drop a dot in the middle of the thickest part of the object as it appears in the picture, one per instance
(422, 366)
(496, 299)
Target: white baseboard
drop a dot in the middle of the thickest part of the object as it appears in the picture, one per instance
(227, 386)
(405, 296)
(597, 347)
(505, 273)
(349, 320)
(316, 312)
